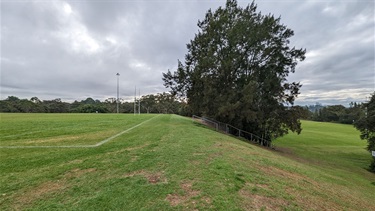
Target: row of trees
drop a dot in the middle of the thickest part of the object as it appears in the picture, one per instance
(158, 103)
(336, 113)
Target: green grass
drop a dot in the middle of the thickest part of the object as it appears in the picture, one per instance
(62, 129)
(173, 163)
(330, 145)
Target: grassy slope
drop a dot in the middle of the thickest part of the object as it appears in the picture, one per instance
(336, 150)
(173, 163)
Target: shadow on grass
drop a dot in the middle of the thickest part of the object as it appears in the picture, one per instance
(369, 170)
(198, 124)
(202, 125)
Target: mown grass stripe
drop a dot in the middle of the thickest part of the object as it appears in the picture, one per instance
(119, 134)
(81, 146)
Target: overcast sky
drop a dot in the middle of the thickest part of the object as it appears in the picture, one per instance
(73, 49)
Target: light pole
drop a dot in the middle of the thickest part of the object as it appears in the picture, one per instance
(118, 76)
(135, 98)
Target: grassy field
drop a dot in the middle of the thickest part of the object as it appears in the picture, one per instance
(170, 162)
(331, 146)
(61, 129)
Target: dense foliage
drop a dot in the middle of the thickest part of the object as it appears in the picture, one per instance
(366, 125)
(236, 71)
(159, 103)
(336, 113)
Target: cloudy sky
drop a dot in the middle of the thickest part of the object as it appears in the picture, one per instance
(73, 49)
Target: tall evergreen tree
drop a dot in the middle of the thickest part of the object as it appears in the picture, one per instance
(366, 125)
(236, 71)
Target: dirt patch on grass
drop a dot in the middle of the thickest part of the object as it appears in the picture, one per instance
(218, 144)
(39, 191)
(259, 202)
(156, 178)
(134, 158)
(53, 139)
(263, 186)
(74, 173)
(175, 199)
(187, 187)
(152, 177)
(187, 199)
(195, 162)
(305, 192)
(135, 147)
(207, 200)
(212, 156)
(312, 201)
(48, 188)
(75, 161)
(273, 171)
(323, 195)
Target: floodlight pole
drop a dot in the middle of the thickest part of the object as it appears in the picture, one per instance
(118, 100)
(139, 102)
(135, 98)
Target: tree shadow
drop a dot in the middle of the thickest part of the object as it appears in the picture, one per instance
(198, 124)
(369, 170)
(202, 125)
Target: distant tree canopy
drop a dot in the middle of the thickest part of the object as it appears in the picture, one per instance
(236, 71)
(159, 103)
(34, 105)
(366, 125)
(333, 113)
(337, 113)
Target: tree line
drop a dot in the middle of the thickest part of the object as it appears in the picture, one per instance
(153, 103)
(335, 113)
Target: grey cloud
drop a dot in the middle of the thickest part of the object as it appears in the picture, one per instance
(50, 53)
(339, 39)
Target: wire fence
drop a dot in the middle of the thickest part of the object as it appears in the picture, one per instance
(230, 129)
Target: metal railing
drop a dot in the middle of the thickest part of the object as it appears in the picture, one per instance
(229, 129)
(207, 122)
